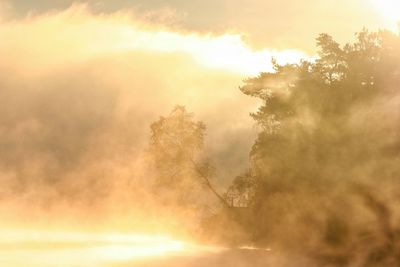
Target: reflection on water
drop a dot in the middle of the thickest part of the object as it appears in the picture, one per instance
(72, 249)
(61, 249)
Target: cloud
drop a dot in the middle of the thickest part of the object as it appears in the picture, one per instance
(284, 24)
(77, 34)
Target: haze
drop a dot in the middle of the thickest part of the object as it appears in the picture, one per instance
(82, 81)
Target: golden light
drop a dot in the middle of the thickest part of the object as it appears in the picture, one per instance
(40, 248)
(86, 35)
(390, 11)
(227, 52)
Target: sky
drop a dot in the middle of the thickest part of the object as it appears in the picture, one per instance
(81, 82)
(279, 24)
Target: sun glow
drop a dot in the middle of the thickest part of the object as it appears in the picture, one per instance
(227, 52)
(86, 35)
(390, 11)
(39, 248)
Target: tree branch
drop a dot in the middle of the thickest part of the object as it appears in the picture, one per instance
(208, 184)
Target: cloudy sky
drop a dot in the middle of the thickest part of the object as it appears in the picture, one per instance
(271, 23)
(80, 82)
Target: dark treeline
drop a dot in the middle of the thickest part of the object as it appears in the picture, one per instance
(324, 170)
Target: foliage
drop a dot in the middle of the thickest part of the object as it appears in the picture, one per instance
(176, 148)
(328, 126)
(242, 190)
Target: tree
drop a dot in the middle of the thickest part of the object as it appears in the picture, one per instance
(242, 190)
(176, 146)
(327, 127)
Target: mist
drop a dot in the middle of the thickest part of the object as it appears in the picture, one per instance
(137, 135)
(76, 112)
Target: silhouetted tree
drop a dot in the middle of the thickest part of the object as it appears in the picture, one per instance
(241, 192)
(327, 125)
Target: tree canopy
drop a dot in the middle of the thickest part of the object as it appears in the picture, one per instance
(329, 127)
(325, 167)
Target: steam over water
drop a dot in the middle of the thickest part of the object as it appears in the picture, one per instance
(126, 142)
(50, 249)
(20, 248)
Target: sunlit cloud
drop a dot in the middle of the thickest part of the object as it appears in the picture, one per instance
(227, 52)
(78, 34)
